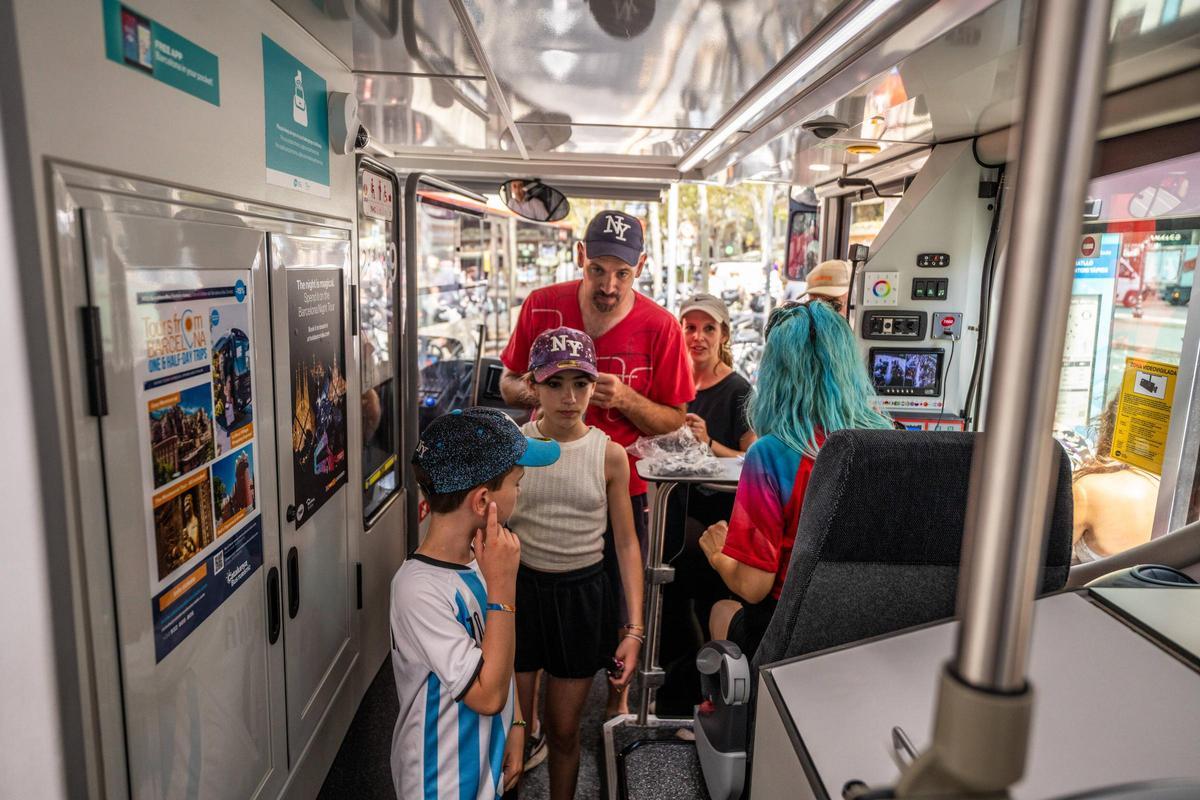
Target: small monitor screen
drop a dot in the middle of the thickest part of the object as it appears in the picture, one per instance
(911, 371)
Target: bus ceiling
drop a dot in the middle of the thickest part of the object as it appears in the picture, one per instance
(472, 89)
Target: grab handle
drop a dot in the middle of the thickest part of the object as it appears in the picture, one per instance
(274, 613)
(293, 572)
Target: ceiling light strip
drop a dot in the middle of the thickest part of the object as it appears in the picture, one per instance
(786, 77)
(468, 29)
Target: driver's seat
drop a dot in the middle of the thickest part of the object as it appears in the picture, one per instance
(877, 550)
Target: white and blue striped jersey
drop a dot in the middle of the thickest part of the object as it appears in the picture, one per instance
(441, 749)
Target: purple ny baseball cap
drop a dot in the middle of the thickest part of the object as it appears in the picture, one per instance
(559, 350)
(614, 233)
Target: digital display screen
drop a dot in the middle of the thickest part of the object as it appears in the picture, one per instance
(913, 372)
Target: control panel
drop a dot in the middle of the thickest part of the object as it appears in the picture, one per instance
(894, 325)
(921, 406)
(930, 288)
(933, 260)
(940, 422)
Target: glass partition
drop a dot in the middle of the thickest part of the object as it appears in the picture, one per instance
(452, 295)
(1134, 272)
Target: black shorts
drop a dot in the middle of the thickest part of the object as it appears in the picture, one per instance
(566, 621)
(748, 625)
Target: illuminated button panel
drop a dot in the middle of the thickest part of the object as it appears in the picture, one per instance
(930, 288)
(933, 260)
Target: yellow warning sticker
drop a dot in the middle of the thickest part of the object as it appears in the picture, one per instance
(1144, 413)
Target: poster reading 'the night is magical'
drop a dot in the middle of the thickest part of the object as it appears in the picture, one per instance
(318, 387)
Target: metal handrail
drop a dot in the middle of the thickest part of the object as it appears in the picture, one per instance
(1012, 474)
(649, 674)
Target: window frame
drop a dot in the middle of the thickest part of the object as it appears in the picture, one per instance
(395, 347)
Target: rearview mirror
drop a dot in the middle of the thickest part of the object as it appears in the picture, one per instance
(532, 199)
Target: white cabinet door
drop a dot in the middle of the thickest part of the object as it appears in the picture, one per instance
(184, 349)
(309, 310)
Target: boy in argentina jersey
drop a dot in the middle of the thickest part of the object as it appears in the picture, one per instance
(453, 636)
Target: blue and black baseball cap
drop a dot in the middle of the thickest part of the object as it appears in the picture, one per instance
(467, 448)
(614, 233)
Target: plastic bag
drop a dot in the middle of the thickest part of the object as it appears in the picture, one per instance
(675, 454)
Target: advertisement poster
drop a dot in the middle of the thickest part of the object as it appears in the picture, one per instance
(318, 387)
(297, 122)
(195, 386)
(1144, 413)
(141, 43)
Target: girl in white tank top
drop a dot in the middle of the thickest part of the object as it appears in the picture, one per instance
(567, 621)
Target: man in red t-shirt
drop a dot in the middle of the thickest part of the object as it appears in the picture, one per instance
(645, 380)
(646, 376)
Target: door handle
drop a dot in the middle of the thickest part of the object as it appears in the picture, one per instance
(274, 612)
(293, 575)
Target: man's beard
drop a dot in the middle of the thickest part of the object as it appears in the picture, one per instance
(605, 303)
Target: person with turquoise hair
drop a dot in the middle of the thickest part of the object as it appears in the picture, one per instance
(812, 382)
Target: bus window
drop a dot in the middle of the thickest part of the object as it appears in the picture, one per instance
(866, 218)
(378, 289)
(501, 317)
(452, 299)
(1125, 333)
(543, 257)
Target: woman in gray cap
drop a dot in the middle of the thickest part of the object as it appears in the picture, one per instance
(717, 417)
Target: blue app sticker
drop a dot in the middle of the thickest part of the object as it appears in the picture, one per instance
(239, 291)
(214, 318)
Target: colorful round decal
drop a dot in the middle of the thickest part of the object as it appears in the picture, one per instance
(881, 288)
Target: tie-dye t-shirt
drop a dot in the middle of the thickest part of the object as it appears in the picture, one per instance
(766, 509)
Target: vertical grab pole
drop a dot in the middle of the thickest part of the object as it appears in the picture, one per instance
(651, 677)
(981, 725)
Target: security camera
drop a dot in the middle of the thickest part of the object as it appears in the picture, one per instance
(362, 139)
(824, 127)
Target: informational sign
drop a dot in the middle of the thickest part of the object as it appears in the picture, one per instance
(318, 387)
(141, 43)
(1098, 255)
(881, 288)
(1089, 332)
(376, 196)
(1144, 413)
(297, 122)
(1078, 363)
(195, 392)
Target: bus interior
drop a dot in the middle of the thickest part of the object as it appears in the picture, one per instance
(221, 216)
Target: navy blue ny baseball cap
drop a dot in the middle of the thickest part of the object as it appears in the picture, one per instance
(468, 448)
(614, 233)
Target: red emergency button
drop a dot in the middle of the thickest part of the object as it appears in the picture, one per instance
(947, 322)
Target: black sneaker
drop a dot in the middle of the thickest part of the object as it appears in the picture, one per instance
(537, 750)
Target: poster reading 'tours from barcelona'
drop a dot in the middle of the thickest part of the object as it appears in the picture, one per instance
(191, 338)
(318, 387)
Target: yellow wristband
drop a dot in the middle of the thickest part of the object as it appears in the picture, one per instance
(501, 607)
